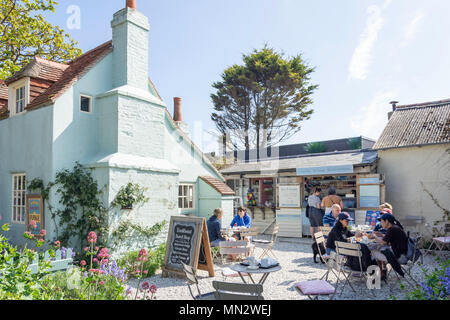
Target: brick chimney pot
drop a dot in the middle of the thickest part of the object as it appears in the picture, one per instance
(177, 109)
(131, 4)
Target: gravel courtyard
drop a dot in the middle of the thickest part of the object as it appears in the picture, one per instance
(295, 257)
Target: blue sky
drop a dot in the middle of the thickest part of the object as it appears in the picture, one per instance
(366, 53)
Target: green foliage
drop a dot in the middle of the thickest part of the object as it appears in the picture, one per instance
(128, 229)
(355, 143)
(315, 147)
(436, 285)
(82, 209)
(263, 101)
(16, 280)
(131, 194)
(24, 34)
(155, 261)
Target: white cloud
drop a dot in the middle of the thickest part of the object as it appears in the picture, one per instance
(412, 28)
(362, 56)
(371, 119)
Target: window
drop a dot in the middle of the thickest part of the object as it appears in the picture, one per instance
(20, 100)
(19, 191)
(186, 196)
(85, 104)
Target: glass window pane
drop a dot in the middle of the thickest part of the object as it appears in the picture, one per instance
(191, 204)
(15, 183)
(24, 183)
(85, 104)
(185, 203)
(185, 192)
(180, 191)
(23, 214)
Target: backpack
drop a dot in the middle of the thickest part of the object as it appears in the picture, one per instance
(307, 210)
(413, 251)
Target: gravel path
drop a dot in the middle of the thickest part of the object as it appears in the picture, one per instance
(295, 257)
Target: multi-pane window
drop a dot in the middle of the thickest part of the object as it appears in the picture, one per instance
(186, 196)
(19, 191)
(20, 100)
(85, 104)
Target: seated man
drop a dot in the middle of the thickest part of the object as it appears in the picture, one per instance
(214, 225)
(242, 219)
(395, 237)
(329, 219)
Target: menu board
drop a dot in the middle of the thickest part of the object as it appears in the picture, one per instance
(289, 195)
(187, 242)
(369, 196)
(35, 212)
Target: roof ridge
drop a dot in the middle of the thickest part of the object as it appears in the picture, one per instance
(424, 104)
(107, 43)
(51, 63)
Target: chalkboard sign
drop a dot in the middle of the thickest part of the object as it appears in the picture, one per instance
(187, 242)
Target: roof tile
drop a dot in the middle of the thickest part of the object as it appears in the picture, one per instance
(218, 185)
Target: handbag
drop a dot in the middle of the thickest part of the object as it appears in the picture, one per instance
(307, 211)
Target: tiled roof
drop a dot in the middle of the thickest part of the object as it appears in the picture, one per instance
(41, 69)
(75, 70)
(413, 125)
(218, 185)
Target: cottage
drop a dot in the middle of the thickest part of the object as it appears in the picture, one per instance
(414, 152)
(102, 110)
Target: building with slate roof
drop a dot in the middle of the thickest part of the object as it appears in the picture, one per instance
(414, 152)
(103, 111)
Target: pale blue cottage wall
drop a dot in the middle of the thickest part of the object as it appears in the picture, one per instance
(25, 147)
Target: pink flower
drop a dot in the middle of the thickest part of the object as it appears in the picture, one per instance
(101, 283)
(103, 253)
(43, 233)
(57, 244)
(143, 255)
(86, 249)
(95, 260)
(104, 262)
(96, 248)
(145, 285)
(33, 224)
(153, 289)
(145, 271)
(92, 237)
(82, 263)
(138, 271)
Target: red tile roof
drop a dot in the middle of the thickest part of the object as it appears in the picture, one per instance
(218, 185)
(40, 69)
(74, 71)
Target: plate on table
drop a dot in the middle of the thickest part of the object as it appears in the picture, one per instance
(253, 267)
(271, 266)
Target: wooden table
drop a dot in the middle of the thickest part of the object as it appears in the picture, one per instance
(244, 269)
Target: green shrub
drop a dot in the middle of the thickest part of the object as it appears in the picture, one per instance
(155, 261)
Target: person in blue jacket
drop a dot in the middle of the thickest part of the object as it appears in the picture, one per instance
(242, 219)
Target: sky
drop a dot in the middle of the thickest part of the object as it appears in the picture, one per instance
(366, 53)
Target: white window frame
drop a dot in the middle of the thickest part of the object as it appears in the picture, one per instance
(183, 196)
(12, 92)
(18, 198)
(90, 103)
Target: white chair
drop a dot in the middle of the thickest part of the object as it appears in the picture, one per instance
(267, 245)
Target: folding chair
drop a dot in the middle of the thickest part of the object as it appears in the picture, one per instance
(408, 266)
(328, 259)
(315, 289)
(192, 280)
(237, 291)
(249, 233)
(325, 230)
(439, 238)
(267, 245)
(240, 248)
(345, 250)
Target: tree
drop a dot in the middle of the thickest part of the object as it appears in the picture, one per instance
(24, 34)
(263, 102)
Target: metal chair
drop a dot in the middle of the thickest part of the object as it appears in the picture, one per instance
(345, 250)
(192, 280)
(328, 259)
(237, 291)
(249, 233)
(325, 230)
(267, 245)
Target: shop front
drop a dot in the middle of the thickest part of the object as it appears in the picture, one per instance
(278, 190)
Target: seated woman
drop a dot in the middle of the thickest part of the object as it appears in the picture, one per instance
(396, 238)
(340, 232)
(214, 225)
(242, 219)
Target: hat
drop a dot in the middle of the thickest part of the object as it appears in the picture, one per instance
(344, 216)
(387, 216)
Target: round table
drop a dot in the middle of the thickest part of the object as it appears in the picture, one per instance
(244, 269)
